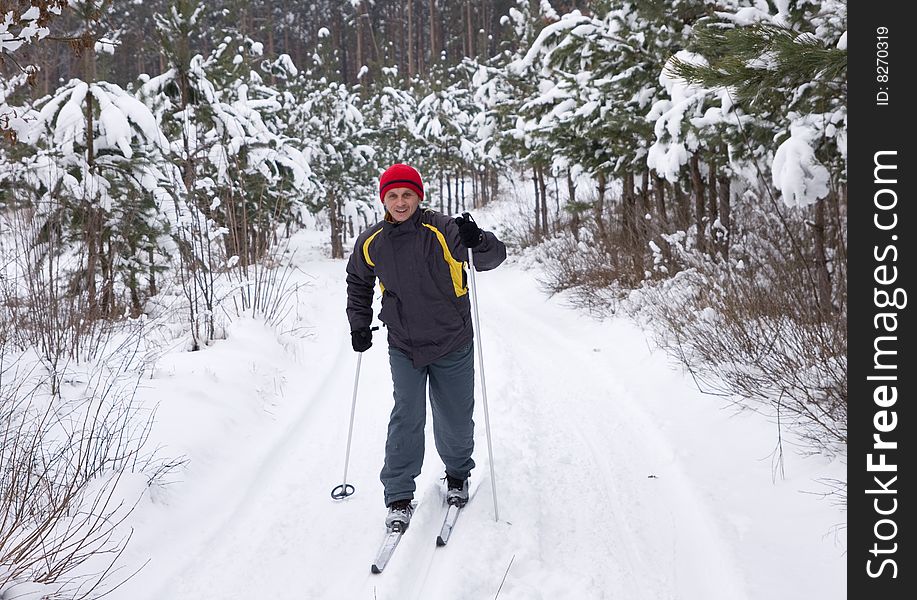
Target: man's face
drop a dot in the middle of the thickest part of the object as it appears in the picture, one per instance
(401, 203)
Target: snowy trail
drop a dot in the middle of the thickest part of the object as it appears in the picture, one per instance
(594, 502)
(586, 440)
(278, 540)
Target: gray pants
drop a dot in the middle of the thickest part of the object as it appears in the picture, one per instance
(452, 400)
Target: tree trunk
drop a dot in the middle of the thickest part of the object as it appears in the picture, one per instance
(190, 255)
(837, 198)
(683, 206)
(339, 37)
(574, 213)
(359, 34)
(152, 276)
(537, 205)
(365, 17)
(462, 176)
(716, 233)
(286, 31)
(627, 209)
(484, 28)
(441, 193)
(598, 211)
(823, 277)
(643, 225)
(247, 249)
(469, 29)
(337, 244)
(107, 270)
(410, 39)
(341, 219)
(132, 286)
(434, 49)
(269, 22)
(93, 219)
(838, 203)
(543, 191)
(631, 227)
(571, 188)
(490, 184)
(723, 188)
(475, 188)
(419, 42)
(659, 192)
(556, 203)
(697, 183)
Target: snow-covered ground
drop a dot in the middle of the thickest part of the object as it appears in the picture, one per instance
(615, 477)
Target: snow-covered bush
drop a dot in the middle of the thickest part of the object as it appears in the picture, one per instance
(72, 466)
(748, 330)
(84, 187)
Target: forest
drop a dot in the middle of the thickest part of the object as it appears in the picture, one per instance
(685, 163)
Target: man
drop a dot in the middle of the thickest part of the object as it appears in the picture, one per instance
(418, 256)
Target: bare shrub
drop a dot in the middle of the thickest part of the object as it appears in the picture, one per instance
(64, 459)
(71, 435)
(264, 287)
(595, 264)
(583, 269)
(198, 260)
(751, 329)
(522, 233)
(38, 291)
(230, 238)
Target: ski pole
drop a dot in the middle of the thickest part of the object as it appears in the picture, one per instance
(477, 327)
(345, 489)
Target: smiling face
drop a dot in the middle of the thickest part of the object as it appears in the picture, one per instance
(401, 203)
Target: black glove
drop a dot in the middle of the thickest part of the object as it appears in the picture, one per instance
(469, 232)
(361, 339)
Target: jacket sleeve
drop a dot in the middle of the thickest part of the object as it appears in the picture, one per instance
(488, 255)
(360, 281)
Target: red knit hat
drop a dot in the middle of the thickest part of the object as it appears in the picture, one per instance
(400, 175)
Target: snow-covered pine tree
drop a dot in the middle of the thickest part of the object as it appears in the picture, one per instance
(21, 24)
(519, 110)
(790, 67)
(239, 175)
(442, 127)
(337, 144)
(389, 111)
(95, 172)
(491, 122)
(777, 73)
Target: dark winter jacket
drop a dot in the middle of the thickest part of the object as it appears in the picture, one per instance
(420, 265)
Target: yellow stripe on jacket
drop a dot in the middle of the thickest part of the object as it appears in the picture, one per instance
(455, 267)
(369, 261)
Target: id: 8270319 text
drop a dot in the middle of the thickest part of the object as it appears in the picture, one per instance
(882, 60)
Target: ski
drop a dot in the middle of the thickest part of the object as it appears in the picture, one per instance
(392, 537)
(448, 524)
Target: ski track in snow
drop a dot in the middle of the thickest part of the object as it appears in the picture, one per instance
(601, 466)
(592, 501)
